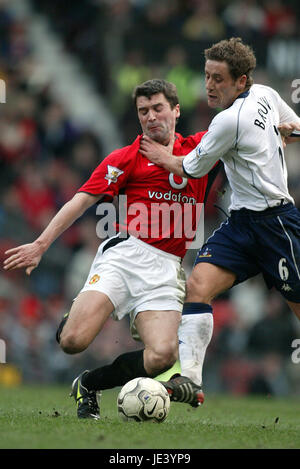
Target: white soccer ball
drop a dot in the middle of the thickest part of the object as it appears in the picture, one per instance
(143, 399)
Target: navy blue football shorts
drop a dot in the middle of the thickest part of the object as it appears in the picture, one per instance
(266, 242)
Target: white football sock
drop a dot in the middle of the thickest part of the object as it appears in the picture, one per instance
(195, 333)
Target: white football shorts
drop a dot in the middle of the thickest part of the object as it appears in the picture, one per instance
(137, 277)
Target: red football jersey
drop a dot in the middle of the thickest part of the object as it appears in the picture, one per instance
(161, 209)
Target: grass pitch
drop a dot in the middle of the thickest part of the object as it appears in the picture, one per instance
(45, 418)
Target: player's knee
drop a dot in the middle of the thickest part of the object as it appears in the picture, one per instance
(71, 343)
(162, 358)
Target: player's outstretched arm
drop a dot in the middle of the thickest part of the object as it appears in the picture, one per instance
(161, 155)
(28, 256)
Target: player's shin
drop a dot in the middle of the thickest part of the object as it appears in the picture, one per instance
(195, 333)
(125, 367)
(86, 387)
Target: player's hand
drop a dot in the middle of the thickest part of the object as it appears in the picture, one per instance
(286, 129)
(154, 151)
(25, 256)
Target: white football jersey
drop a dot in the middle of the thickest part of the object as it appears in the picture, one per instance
(245, 137)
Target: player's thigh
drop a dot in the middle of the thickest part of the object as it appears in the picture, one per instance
(207, 281)
(279, 249)
(87, 316)
(158, 330)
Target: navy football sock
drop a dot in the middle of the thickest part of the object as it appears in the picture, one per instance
(196, 308)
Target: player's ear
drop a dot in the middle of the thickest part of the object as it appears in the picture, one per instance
(241, 82)
(177, 109)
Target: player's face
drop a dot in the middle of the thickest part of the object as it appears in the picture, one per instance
(221, 88)
(157, 118)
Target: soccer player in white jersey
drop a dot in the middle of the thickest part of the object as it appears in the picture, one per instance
(262, 233)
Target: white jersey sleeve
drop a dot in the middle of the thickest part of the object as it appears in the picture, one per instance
(286, 113)
(220, 137)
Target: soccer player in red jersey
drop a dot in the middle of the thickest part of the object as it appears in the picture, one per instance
(137, 270)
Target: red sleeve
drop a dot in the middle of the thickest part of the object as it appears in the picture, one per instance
(113, 172)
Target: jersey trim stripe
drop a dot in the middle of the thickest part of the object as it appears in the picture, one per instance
(291, 245)
(238, 123)
(185, 172)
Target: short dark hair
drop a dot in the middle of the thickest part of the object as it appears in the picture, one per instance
(155, 86)
(239, 57)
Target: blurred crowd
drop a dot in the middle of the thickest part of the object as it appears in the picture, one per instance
(45, 157)
(124, 42)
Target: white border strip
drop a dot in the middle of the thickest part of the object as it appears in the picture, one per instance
(291, 244)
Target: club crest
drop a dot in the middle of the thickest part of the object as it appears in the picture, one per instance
(112, 174)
